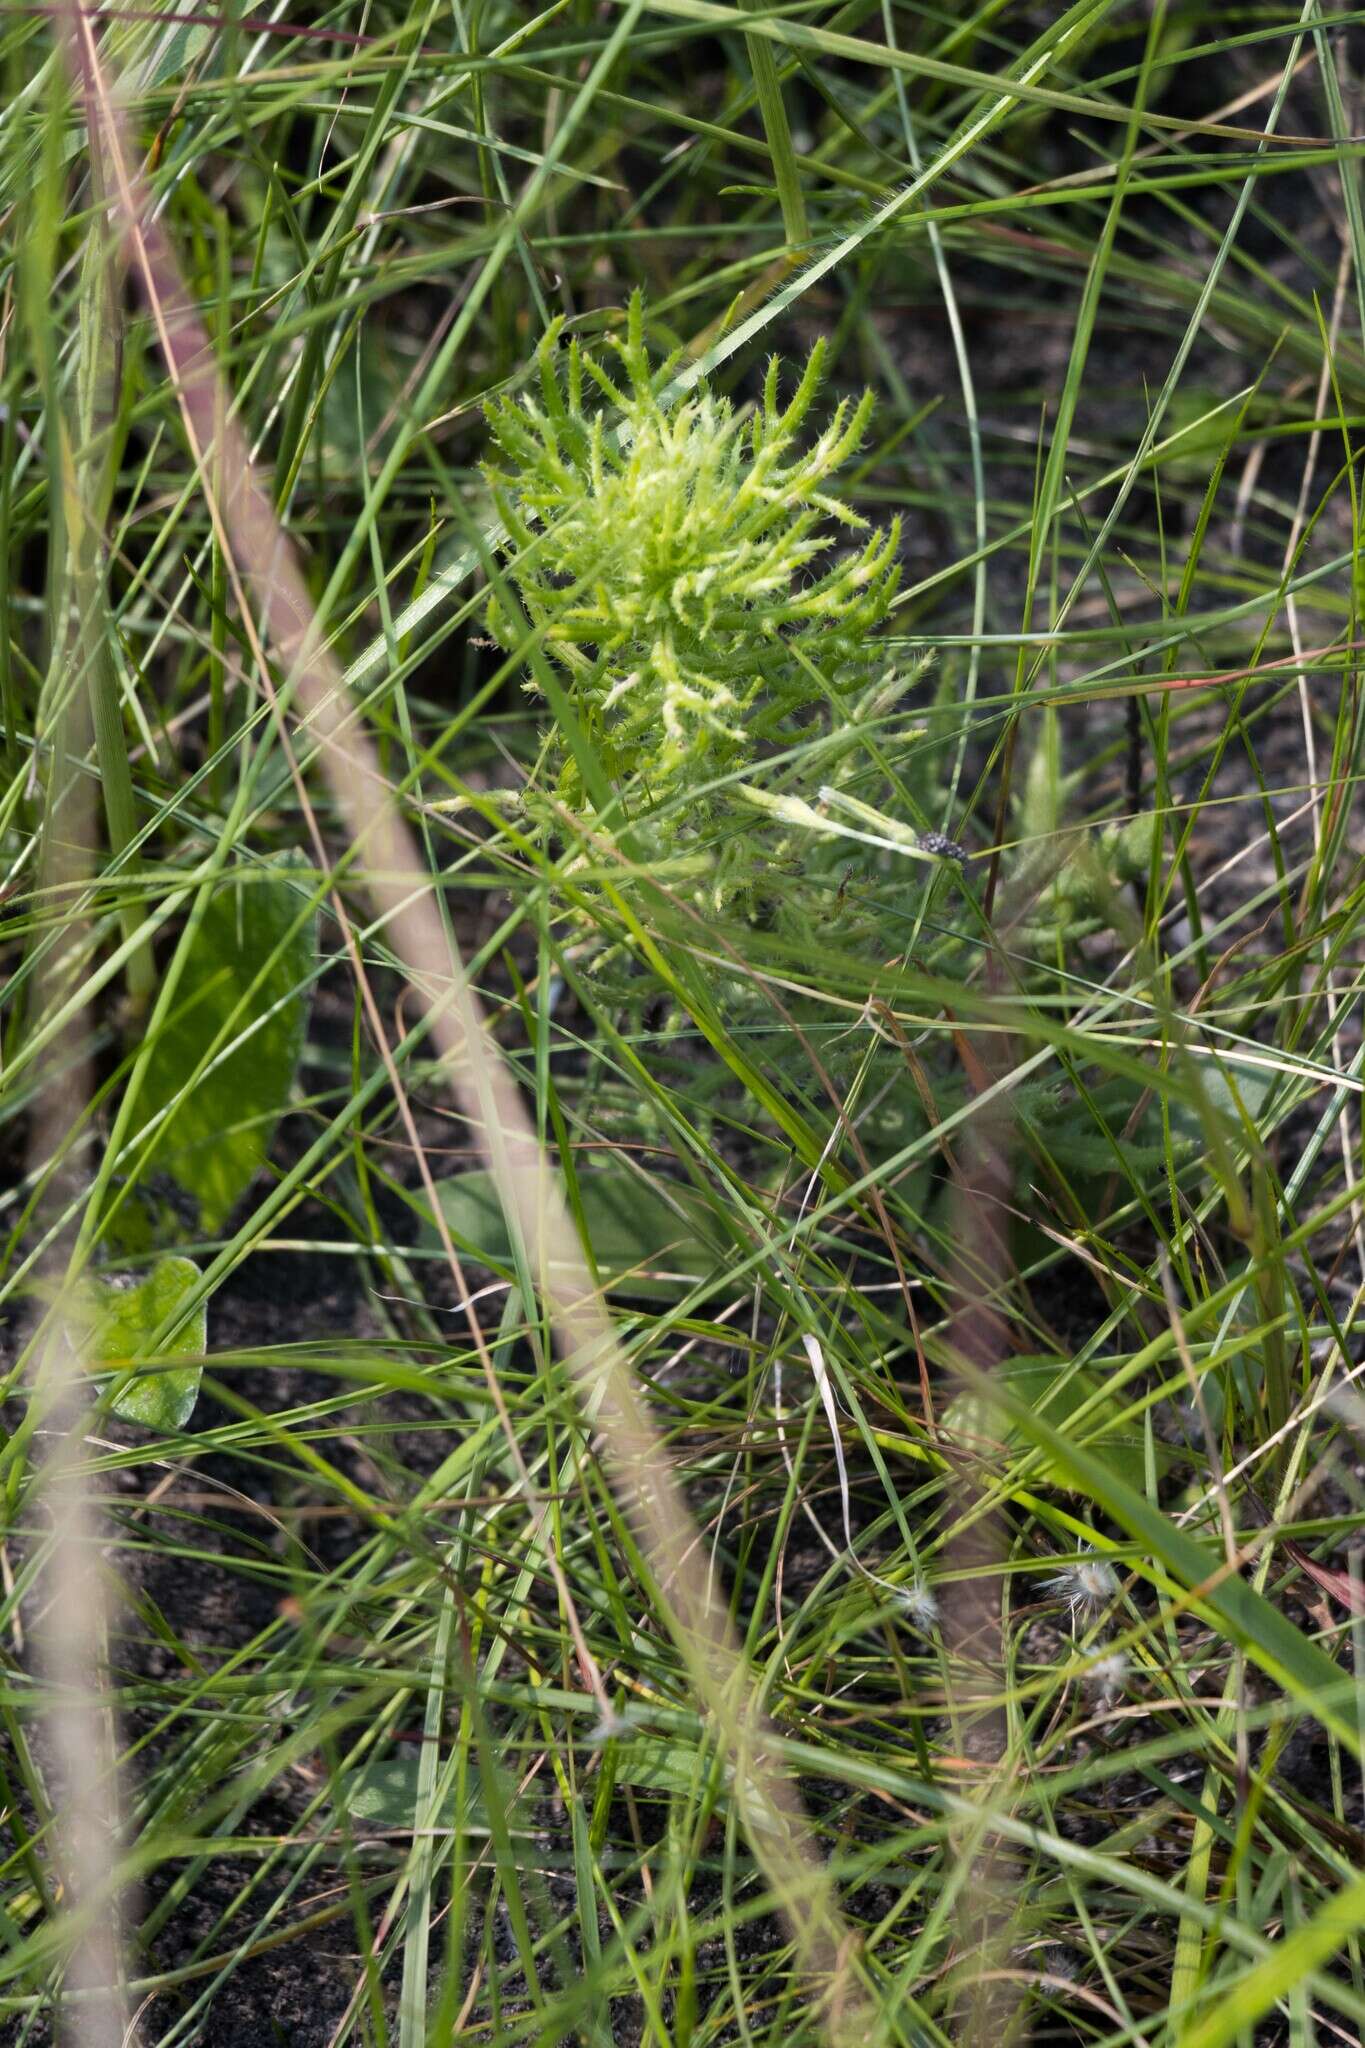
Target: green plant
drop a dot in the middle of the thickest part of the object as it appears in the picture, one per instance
(668, 556)
(220, 1068)
(128, 1314)
(757, 726)
(390, 1677)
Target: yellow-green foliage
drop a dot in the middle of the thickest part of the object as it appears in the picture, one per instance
(668, 549)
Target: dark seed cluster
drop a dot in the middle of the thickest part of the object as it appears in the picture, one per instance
(943, 846)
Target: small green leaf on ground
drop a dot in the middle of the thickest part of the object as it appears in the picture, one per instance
(647, 1237)
(1051, 1387)
(126, 1320)
(383, 1792)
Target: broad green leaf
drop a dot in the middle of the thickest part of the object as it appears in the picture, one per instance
(1252, 1087)
(224, 1064)
(647, 1237)
(1050, 1387)
(649, 1763)
(125, 1319)
(388, 1793)
(181, 45)
(385, 1792)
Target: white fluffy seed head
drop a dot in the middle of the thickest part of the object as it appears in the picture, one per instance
(919, 1601)
(1109, 1674)
(1087, 1586)
(612, 1725)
